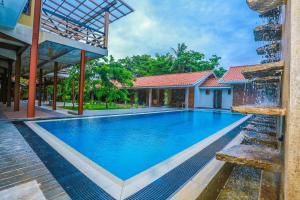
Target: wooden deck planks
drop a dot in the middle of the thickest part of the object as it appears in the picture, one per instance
(19, 164)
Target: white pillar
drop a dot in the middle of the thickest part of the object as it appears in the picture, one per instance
(187, 94)
(150, 97)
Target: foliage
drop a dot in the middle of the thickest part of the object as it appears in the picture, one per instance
(219, 72)
(101, 106)
(105, 77)
(111, 75)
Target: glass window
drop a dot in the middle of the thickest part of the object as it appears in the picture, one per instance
(207, 92)
(229, 91)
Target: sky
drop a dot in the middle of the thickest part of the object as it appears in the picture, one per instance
(224, 28)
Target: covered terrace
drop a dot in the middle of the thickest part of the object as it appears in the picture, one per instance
(171, 90)
(53, 35)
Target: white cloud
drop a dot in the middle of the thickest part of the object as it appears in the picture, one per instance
(209, 26)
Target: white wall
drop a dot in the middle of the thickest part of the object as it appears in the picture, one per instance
(207, 101)
(197, 97)
(226, 99)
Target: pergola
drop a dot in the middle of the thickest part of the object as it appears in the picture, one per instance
(64, 33)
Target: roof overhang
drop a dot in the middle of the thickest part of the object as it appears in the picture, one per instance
(216, 88)
(234, 82)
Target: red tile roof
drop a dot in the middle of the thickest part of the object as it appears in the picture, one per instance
(213, 82)
(171, 80)
(234, 75)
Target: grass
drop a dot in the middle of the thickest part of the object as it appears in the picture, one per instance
(101, 106)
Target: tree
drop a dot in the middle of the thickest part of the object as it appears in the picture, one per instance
(111, 77)
(190, 61)
(219, 72)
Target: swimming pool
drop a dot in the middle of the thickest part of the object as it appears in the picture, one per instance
(128, 145)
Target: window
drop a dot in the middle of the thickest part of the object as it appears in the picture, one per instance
(207, 92)
(229, 91)
(27, 8)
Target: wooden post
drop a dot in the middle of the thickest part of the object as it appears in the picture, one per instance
(54, 86)
(34, 59)
(17, 83)
(81, 81)
(40, 86)
(150, 97)
(106, 27)
(4, 86)
(44, 90)
(187, 94)
(9, 70)
(73, 93)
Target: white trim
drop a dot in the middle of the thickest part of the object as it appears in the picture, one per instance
(223, 87)
(113, 185)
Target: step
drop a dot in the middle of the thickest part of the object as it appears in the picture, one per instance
(257, 156)
(263, 6)
(262, 139)
(266, 124)
(269, 186)
(274, 111)
(269, 48)
(268, 32)
(261, 130)
(263, 70)
(243, 183)
(267, 80)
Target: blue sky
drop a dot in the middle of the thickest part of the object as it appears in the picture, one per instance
(217, 27)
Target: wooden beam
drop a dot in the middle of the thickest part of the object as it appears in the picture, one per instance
(256, 156)
(106, 28)
(17, 83)
(260, 110)
(262, 70)
(55, 86)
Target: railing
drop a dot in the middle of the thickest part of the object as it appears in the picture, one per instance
(71, 30)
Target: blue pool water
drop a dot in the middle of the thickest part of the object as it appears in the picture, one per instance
(128, 145)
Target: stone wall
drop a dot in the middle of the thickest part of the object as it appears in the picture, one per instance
(291, 100)
(243, 94)
(191, 97)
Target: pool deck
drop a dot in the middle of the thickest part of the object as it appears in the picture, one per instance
(26, 157)
(19, 164)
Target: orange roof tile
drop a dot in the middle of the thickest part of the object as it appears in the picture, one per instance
(171, 80)
(234, 75)
(213, 82)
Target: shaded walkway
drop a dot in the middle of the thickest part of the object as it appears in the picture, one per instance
(8, 112)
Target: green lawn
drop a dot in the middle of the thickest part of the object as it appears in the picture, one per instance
(97, 106)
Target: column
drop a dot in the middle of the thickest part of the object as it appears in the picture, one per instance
(81, 81)
(17, 83)
(106, 27)
(54, 85)
(34, 59)
(158, 98)
(9, 70)
(40, 86)
(187, 94)
(4, 86)
(44, 90)
(150, 97)
(291, 100)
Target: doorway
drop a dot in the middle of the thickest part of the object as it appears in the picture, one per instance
(217, 99)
